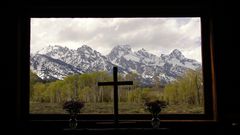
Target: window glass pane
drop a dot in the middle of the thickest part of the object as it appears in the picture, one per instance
(103, 103)
(162, 56)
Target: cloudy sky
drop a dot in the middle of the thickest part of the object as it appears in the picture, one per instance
(156, 35)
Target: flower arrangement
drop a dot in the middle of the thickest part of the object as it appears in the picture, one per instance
(155, 107)
(73, 107)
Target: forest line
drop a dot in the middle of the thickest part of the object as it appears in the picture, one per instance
(187, 90)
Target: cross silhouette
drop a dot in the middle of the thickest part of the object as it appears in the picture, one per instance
(115, 84)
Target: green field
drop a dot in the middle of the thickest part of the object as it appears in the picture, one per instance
(107, 108)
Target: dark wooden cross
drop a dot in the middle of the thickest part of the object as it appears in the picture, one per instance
(115, 84)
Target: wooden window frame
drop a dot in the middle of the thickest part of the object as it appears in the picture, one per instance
(92, 120)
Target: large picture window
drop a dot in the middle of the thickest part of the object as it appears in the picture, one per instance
(162, 56)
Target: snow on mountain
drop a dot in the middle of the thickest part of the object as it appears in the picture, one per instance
(58, 62)
(124, 57)
(58, 52)
(147, 58)
(177, 58)
(90, 60)
(119, 51)
(84, 58)
(48, 68)
(176, 54)
(166, 67)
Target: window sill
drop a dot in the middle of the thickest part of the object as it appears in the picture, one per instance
(116, 130)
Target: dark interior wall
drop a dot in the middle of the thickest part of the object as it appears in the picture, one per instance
(226, 58)
(226, 52)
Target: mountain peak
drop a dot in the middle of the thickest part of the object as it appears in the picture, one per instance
(143, 50)
(119, 51)
(145, 53)
(50, 48)
(85, 48)
(58, 46)
(123, 47)
(60, 61)
(54, 47)
(176, 53)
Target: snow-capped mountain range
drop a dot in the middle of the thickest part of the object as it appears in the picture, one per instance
(56, 62)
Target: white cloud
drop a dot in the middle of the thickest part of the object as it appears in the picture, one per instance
(157, 35)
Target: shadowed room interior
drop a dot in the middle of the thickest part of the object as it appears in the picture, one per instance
(222, 115)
